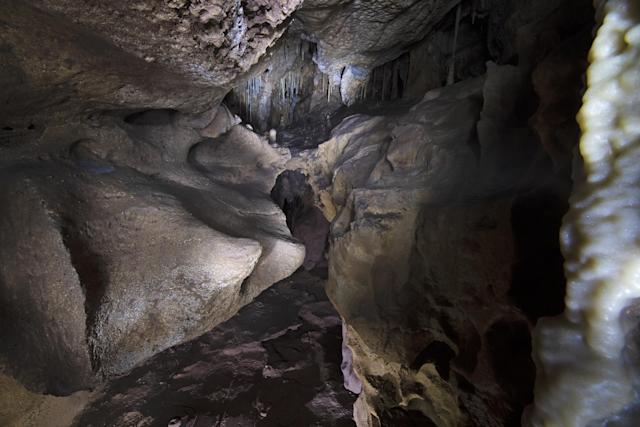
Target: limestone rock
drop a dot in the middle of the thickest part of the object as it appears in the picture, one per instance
(588, 356)
(422, 253)
(221, 123)
(138, 248)
(367, 34)
(67, 58)
(227, 158)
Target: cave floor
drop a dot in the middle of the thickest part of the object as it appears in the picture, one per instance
(276, 363)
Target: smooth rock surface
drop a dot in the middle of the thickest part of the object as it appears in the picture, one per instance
(138, 248)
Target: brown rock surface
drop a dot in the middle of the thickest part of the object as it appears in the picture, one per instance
(367, 34)
(424, 252)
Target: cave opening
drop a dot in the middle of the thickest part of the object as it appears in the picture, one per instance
(319, 213)
(295, 197)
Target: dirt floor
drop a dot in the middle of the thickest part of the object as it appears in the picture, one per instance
(276, 363)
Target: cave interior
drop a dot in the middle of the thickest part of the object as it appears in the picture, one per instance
(319, 213)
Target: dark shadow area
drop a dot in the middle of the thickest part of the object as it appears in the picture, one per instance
(510, 352)
(437, 353)
(151, 117)
(307, 223)
(399, 417)
(538, 286)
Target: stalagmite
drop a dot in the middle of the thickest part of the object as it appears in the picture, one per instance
(587, 373)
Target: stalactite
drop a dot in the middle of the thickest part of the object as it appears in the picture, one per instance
(587, 369)
(384, 83)
(451, 76)
(251, 95)
(363, 95)
(271, 98)
(394, 81)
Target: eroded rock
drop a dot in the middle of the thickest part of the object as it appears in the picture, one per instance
(138, 249)
(422, 252)
(65, 58)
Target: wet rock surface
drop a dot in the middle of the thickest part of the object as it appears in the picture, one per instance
(275, 363)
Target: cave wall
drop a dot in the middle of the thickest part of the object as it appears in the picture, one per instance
(127, 237)
(64, 58)
(444, 250)
(445, 200)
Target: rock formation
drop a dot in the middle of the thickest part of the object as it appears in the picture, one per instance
(131, 236)
(594, 379)
(423, 252)
(165, 162)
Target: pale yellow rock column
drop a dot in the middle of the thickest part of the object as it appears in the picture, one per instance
(581, 368)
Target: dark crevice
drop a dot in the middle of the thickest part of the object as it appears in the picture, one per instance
(438, 353)
(399, 417)
(509, 348)
(307, 223)
(538, 286)
(151, 117)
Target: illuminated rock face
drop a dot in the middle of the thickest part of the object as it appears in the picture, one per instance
(138, 236)
(66, 58)
(444, 239)
(367, 34)
(588, 358)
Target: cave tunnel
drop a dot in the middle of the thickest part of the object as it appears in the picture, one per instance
(320, 213)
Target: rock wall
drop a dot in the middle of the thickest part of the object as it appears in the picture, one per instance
(136, 213)
(367, 34)
(126, 228)
(443, 249)
(128, 237)
(420, 261)
(121, 219)
(67, 58)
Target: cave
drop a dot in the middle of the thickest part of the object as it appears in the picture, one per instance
(320, 213)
